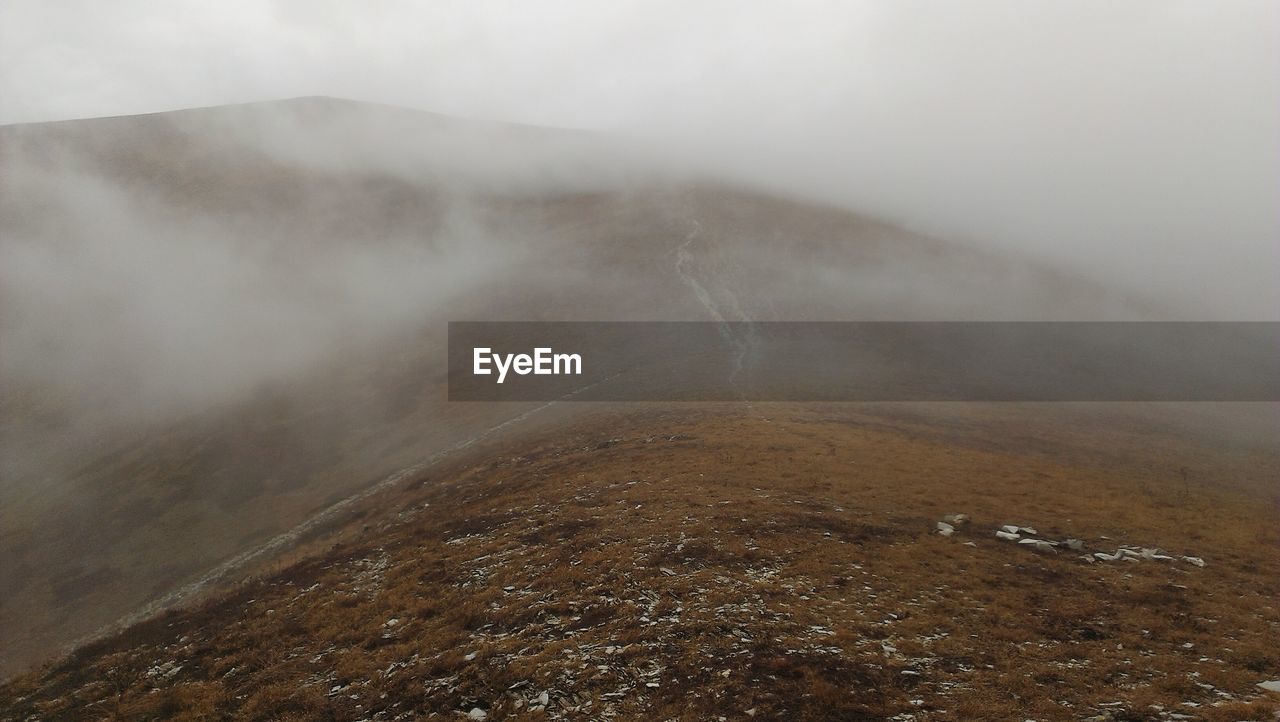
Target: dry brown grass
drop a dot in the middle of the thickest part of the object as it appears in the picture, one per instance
(780, 562)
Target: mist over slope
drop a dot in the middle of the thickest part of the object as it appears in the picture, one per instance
(219, 321)
(1135, 142)
(162, 263)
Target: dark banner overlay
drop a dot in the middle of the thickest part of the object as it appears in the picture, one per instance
(882, 361)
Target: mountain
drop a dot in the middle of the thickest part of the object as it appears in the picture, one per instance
(225, 328)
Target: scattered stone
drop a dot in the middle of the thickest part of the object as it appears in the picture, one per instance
(477, 714)
(1272, 685)
(1039, 545)
(166, 670)
(945, 529)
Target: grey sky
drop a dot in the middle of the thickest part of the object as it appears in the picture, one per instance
(1136, 141)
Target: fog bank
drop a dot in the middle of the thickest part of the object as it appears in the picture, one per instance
(1135, 142)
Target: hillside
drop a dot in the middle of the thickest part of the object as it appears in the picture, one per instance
(780, 562)
(222, 322)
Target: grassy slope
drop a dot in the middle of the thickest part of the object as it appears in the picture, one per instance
(703, 561)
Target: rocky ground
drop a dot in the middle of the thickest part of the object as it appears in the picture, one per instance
(778, 563)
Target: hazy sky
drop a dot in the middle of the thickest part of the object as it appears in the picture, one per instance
(1136, 141)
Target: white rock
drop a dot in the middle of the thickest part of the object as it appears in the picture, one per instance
(477, 714)
(1272, 685)
(544, 699)
(1010, 528)
(1011, 536)
(945, 529)
(1039, 545)
(470, 656)
(1075, 545)
(1194, 560)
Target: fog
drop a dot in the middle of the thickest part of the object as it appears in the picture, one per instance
(1133, 142)
(170, 312)
(223, 293)
(1133, 146)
